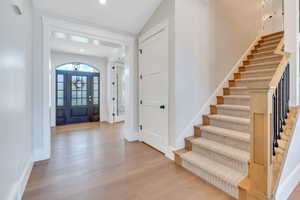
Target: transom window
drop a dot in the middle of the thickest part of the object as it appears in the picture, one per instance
(76, 67)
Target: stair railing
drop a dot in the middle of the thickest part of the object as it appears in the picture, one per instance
(269, 107)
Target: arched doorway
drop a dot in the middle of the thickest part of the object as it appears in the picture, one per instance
(77, 94)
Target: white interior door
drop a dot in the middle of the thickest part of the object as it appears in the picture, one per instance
(154, 89)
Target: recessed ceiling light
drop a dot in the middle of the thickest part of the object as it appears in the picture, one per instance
(79, 39)
(103, 2)
(59, 35)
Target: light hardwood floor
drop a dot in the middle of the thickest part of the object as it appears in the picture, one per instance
(92, 162)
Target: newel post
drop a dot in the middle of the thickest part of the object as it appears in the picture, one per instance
(260, 170)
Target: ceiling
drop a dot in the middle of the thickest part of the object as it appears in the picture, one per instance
(103, 49)
(119, 15)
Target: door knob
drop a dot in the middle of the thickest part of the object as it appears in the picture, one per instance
(162, 107)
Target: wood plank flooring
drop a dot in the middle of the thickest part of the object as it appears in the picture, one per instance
(92, 162)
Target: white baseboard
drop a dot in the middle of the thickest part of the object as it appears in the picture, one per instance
(169, 154)
(24, 179)
(131, 136)
(40, 155)
(289, 184)
(19, 187)
(189, 130)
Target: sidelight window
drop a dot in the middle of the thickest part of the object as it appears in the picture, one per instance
(60, 89)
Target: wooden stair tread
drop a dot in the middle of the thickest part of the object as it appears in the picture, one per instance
(227, 118)
(267, 46)
(263, 64)
(258, 71)
(238, 88)
(266, 57)
(263, 53)
(234, 107)
(237, 135)
(225, 150)
(256, 79)
(236, 97)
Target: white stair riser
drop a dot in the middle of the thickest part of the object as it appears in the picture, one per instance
(229, 125)
(242, 145)
(229, 162)
(214, 180)
(242, 83)
(261, 67)
(237, 101)
(238, 91)
(264, 60)
(234, 113)
(257, 75)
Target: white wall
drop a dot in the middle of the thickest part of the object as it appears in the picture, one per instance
(59, 58)
(211, 36)
(15, 101)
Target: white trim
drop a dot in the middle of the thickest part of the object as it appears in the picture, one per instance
(24, 179)
(170, 153)
(131, 137)
(18, 189)
(153, 31)
(287, 187)
(39, 154)
(50, 25)
(189, 129)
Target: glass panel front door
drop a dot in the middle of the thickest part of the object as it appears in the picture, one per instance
(77, 97)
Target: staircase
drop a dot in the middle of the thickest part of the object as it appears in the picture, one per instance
(219, 152)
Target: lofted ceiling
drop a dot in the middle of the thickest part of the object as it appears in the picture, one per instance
(119, 15)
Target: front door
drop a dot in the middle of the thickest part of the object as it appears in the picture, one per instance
(77, 97)
(154, 90)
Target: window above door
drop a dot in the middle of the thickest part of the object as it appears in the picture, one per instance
(81, 67)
